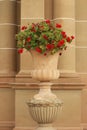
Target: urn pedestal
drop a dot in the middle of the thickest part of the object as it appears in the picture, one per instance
(44, 106)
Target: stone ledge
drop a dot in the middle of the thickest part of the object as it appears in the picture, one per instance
(57, 128)
(7, 124)
(60, 84)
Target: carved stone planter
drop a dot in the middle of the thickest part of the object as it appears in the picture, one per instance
(45, 67)
(44, 106)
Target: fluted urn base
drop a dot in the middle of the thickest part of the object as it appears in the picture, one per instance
(44, 107)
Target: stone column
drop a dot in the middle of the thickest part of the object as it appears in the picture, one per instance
(64, 13)
(31, 11)
(7, 38)
(48, 9)
(81, 52)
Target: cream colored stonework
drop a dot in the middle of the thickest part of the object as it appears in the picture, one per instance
(81, 65)
(8, 30)
(81, 33)
(7, 36)
(6, 105)
(28, 10)
(66, 10)
(81, 9)
(72, 14)
(7, 11)
(7, 62)
(71, 108)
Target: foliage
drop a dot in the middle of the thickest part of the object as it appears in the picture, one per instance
(43, 37)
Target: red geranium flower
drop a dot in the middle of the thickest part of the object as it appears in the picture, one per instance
(58, 25)
(72, 37)
(63, 34)
(60, 43)
(48, 21)
(20, 50)
(38, 49)
(24, 27)
(28, 39)
(33, 29)
(50, 46)
(45, 37)
(68, 39)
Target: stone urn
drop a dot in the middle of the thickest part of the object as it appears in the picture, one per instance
(45, 67)
(44, 106)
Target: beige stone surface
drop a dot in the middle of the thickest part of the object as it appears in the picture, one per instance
(81, 9)
(7, 11)
(81, 64)
(48, 9)
(22, 116)
(26, 63)
(67, 60)
(6, 105)
(58, 128)
(7, 62)
(7, 36)
(81, 33)
(71, 111)
(32, 8)
(64, 8)
(18, 13)
(30, 21)
(84, 106)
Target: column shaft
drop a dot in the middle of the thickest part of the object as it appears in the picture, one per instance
(64, 13)
(8, 29)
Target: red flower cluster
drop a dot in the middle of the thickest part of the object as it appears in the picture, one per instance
(58, 25)
(72, 37)
(24, 27)
(48, 21)
(61, 43)
(33, 29)
(28, 39)
(50, 46)
(20, 50)
(63, 34)
(38, 49)
(68, 39)
(43, 37)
